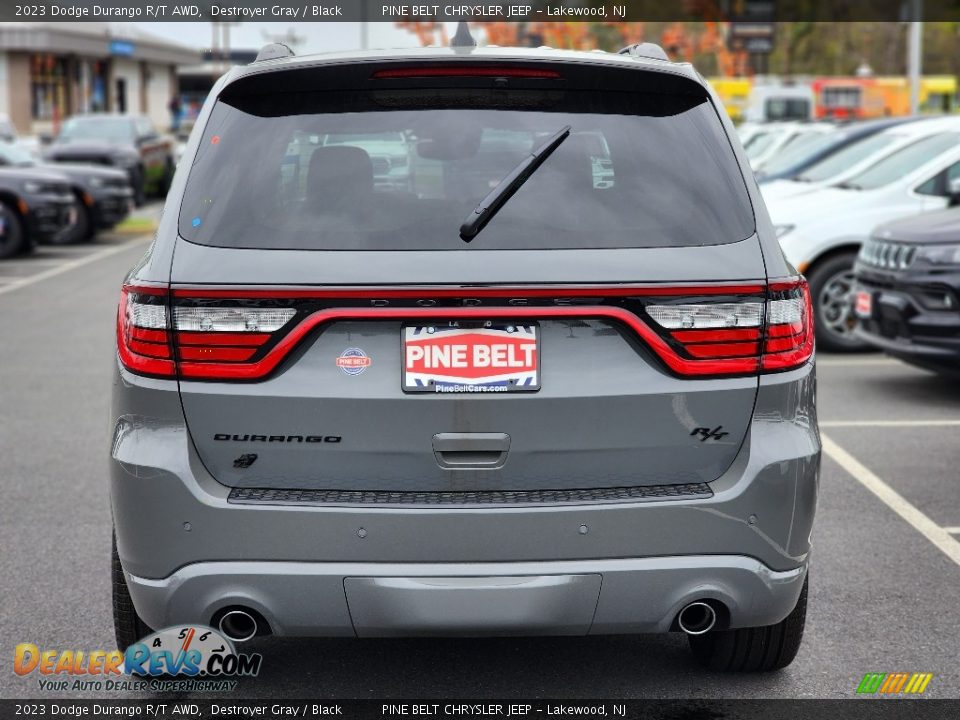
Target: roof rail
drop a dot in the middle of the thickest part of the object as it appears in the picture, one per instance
(273, 51)
(644, 50)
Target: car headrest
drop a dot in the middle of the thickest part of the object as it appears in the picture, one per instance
(338, 174)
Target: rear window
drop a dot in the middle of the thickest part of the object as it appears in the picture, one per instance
(363, 170)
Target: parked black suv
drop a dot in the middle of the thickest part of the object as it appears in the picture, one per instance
(908, 295)
(35, 206)
(104, 195)
(128, 142)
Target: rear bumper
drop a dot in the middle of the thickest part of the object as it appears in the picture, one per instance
(636, 595)
(903, 324)
(189, 551)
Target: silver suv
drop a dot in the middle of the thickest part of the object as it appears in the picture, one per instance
(500, 398)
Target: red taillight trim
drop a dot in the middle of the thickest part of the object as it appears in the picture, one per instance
(188, 337)
(716, 352)
(209, 354)
(150, 336)
(783, 344)
(391, 293)
(149, 349)
(269, 362)
(457, 70)
(721, 350)
(786, 330)
(719, 335)
(144, 289)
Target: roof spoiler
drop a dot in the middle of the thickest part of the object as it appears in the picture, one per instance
(463, 38)
(648, 50)
(273, 51)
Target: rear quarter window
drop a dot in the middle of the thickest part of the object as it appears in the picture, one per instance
(362, 170)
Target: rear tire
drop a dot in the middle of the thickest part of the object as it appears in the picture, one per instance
(831, 289)
(127, 624)
(755, 649)
(12, 238)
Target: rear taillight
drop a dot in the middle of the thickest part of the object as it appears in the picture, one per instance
(143, 336)
(157, 339)
(211, 341)
(695, 331)
(771, 334)
(789, 337)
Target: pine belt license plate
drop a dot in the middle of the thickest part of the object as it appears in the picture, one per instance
(485, 357)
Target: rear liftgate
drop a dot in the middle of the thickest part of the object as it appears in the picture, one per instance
(492, 394)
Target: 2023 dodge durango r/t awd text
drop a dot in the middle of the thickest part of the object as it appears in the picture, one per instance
(516, 396)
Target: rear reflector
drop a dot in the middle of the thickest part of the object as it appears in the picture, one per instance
(710, 330)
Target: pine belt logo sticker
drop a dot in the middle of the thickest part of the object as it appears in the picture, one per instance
(894, 683)
(353, 361)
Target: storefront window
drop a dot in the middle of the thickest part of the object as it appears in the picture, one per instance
(48, 87)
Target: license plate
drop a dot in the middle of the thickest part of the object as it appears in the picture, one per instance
(484, 357)
(864, 304)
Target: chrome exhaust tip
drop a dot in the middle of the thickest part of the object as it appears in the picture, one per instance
(697, 618)
(238, 625)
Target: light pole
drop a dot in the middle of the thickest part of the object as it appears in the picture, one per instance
(914, 48)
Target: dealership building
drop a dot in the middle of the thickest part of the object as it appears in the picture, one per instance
(50, 71)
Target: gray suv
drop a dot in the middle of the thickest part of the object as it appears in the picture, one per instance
(509, 396)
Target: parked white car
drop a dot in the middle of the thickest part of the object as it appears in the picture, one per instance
(772, 138)
(821, 232)
(855, 158)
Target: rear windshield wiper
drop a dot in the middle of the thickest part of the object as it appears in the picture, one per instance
(491, 204)
(849, 186)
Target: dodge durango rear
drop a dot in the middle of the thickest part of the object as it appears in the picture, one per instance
(487, 342)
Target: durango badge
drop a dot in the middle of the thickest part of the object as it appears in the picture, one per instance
(353, 361)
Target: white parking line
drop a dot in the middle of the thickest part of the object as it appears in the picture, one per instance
(953, 530)
(71, 264)
(939, 536)
(32, 262)
(888, 423)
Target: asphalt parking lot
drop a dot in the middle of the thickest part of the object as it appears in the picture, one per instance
(885, 572)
